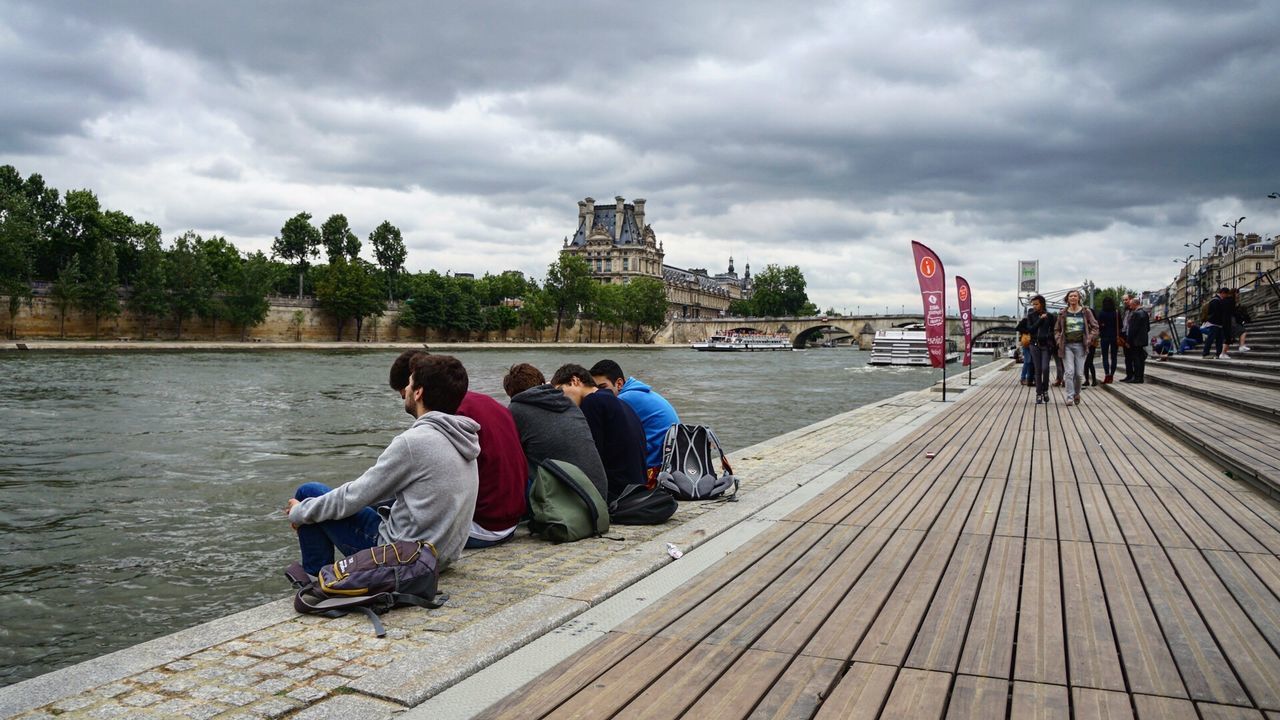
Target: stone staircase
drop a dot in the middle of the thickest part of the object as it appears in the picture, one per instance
(1229, 410)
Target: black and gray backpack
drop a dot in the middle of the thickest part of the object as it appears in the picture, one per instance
(687, 471)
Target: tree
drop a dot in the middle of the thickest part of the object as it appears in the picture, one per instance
(779, 291)
(1115, 293)
(536, 309)
(78, 228)
(742, 307)
(568, 287)
(65, 291)
(500, 318)
(644, 303)
(100, 287)
(223, 261)
(147, 298)
(298, 240)
(608, 305)
(389, 251)
(17, 235)
(338, 240)
(347, 290)
(246, 293)
(188, 282)
(425, 307)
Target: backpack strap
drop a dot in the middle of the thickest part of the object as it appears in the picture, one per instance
(669, 446)
(724, 462)
(306, 602)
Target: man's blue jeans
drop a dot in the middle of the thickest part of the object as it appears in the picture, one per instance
(349, 534)
(1028, 363)
(1213, 340)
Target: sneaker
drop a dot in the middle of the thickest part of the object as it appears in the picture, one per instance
(1224, 356)
(1069, 402)
(1041, 400)
(1243, 348)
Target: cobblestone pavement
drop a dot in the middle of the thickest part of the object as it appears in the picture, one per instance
(500, 598)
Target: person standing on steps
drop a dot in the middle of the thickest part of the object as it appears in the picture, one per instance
(1138, 336)
(1074, 330)
(1108, 334)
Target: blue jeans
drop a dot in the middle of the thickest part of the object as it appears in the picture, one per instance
(349, 534)
(1213, 340)
(1108, 347)
(1028, 364)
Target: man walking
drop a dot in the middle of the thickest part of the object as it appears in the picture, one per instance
(1138, 336)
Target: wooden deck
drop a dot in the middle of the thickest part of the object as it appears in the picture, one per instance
(1048, 562)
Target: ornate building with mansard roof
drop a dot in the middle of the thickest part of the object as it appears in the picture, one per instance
(618, 246)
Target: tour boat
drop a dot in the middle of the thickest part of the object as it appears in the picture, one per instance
(744, 342)
(905, 346)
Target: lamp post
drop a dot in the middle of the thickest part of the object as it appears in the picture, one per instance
(1234, 235)
(1199, 265)
(1186, 283)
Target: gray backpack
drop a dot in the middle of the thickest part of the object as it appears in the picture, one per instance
(687, 471)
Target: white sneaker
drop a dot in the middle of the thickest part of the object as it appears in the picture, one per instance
(1243, 348)
(1224, 356)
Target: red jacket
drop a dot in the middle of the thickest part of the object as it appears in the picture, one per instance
(503, 472)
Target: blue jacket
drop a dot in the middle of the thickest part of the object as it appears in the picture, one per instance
(656, 415)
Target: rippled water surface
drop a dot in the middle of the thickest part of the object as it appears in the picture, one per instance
(140, 492)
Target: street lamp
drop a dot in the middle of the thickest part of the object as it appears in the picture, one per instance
(1186, 282)
(1234, 235)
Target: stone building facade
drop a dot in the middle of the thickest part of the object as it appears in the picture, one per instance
(618, 246)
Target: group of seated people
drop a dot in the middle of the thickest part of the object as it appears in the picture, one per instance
(459, 476)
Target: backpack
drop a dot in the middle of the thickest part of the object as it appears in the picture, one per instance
(639, 505)
(687, 472)
(565, 505)
(372, 581)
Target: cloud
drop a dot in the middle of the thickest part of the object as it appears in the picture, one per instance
(1096, 137)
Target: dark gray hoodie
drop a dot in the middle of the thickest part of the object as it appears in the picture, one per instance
(553, 428)
(430, 470)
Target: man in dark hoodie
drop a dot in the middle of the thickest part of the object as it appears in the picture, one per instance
(615, 427)
(429, 470)
(551, 426)
(501, 501)
(655, 413)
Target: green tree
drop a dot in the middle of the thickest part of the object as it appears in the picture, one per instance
(608, 304)
(348, 290)
(188, 282)
(46, 208)
(65, 291)
(78, 228)
(501, 319)
(742, 307)
(536, 309)
(147, 297)
(246, 294)
(338, 240)
(18, 229)
(568, 287)
(779, 291)
(1115, 293)
(126, 237)
(223, 261)
(461, 307)
(100, 287)
(389, 251)
(425, 307)
(644, 303)
(298, 240)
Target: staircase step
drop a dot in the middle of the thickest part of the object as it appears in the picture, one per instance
(1242, 443)
(1228, 388)
(1243, 367)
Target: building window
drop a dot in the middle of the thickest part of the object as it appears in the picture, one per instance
(1257, 267)
(608, 265)
(599, 264)
(626, 262)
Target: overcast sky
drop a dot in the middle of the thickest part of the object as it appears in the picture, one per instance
(1096, 137)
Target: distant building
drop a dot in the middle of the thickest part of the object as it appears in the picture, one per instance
(618, 246)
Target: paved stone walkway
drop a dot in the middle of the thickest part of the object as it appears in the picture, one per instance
(269, 662)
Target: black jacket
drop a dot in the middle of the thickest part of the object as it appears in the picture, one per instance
(1221, 311)
(1139, 329)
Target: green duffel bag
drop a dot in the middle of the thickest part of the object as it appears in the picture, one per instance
(565, 505)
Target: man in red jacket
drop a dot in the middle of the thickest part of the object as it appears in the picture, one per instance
(503, 472)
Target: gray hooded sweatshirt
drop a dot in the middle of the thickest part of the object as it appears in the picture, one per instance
(553, 428)
(430, 470)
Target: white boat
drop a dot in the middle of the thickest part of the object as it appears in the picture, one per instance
(743, 342)
(905, 346)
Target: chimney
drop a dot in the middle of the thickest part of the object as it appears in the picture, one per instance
(590, 204)
(639, 202)
(620, 212)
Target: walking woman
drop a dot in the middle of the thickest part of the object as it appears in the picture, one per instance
(1041, 322)
(1074, 330)
(1108, 331)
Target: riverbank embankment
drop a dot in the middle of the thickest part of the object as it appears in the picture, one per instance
(270, 662)
(95, 346)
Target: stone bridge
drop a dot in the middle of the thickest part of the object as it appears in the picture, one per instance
(847, 329)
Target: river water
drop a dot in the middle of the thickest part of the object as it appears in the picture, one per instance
(140, 491)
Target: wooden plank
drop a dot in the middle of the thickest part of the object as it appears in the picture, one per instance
(1013, 509)
(674, 691)
(1202, 534)
(988, 647)
(746, 623)
(1148, 664)
(842, 631)
(1148, 707)
(1093, 704)
(1042, 519)
(859, 510)
(1253, 582)
(1227, 712)
(1205, 671)
(860, 694)
(797, 694)
(1103, 526)
(1253, 659)
(1091, 648)
(1166, 528)
(890, 636)
(826, 498)
(1041, 466)
(1037, 701)
(938, 644)
(916, 695)
(955, 514)
(898, 513)
(735, 693)
(1041, 647)
(1133, 524)
(811, 609)
(545, 693)
(1072, 523)
(855, 497)
(978, 698)
(1237, 523)
(986, 508)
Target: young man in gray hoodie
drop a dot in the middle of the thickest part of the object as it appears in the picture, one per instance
(551, 427)
(430, 471)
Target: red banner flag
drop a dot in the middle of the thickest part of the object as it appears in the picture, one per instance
(966, 317)
(933, 291)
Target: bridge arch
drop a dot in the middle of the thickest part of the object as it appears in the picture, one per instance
(998, 330)
(805, 336)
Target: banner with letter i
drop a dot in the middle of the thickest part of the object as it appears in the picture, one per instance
(933, 291)
(966, 317)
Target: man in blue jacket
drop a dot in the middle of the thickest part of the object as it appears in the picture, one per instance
(656, 414)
